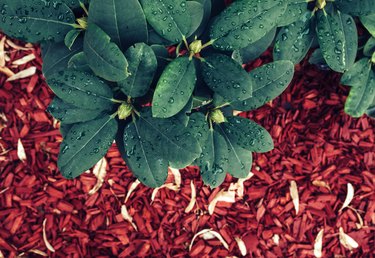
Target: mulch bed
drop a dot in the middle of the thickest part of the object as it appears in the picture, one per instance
(316, 145)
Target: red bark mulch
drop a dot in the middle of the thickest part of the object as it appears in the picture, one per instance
(314, 142)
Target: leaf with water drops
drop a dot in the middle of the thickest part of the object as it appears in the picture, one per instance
(174, 88)
(70, 114)
(294, 41)
(143, 157)
(245, 22)
(36, 20)
(362, 79)
(79, 62)
(81, 89)
(356, 7)
(294, 11)
(103, 56)
(85, 144)
(176, 143)
(369, 48)
(213, 161)
(269, 81)
(171, 19)
(197, 12)
(198, 127)
(64, 129)
(123, 21)
(254, 50)
(226, 77)
(183, 115)
(369, 23)
(337, 36)
(239, 159)
(206, 6)
(71, 37)
(56, 56)
(248, 134)
(74, 4)
(142, 68)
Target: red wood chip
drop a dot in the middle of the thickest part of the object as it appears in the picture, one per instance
(315, 141)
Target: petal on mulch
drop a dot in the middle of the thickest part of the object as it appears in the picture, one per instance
(349, 196)
(192, 199)
(208, 234)
(23, 74)
(346, 240)
(318, 245)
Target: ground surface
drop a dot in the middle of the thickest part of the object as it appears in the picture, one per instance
(316, 145)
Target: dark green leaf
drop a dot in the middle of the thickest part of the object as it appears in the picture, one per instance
(170, 18)
(239, 159)
(213, 161)
(74, 4)
(64, 129)
(56, 56)
(71, 37)
(247, 134)
(154, 38)
(143, 157)
(198, 127)
(79, 62)
(123, 21)
(104, 57)
(36, 20)
(85, 144)
(70, 114)
(226, 77)
(245, 22)
(183, 115)
(369, 48)
(358, 74)
(294, 11)
(81, 89)
(174, 88)
(207, 6)
(371, 110)
(176, 144)
(294, 41)
(369, 22)
(356, 7)
(269, 81)
(254, 50)
(142, 68)
(337, 36)
(196, 11)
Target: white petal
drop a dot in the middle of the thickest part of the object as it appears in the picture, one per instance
(241, 246)
(209, 234)
(23, 74)
(318, 245)
(126, 216)
(193, 197)
(294, 194)
(48, 245)
(131, 189)
(21, 151)
(177, 176)
(349, 196)
(347, 241)
(222, 196)
(100, 171)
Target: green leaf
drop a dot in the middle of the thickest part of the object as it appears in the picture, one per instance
(362, 79)
(143, 157)
(142, 68)
(74, 4)
(174, 88)
(56, 56)
(337, 36)
(369, 23)
(183, 115)
(369, 47)
(79, 62)
(71, 37)
(248, 134)
(269, 81)
(294, 11)
(70, 114)
(198, 127)
(254, 50)
(207, 6)
(294, 41)
(104, 57)
(197, 12)
(371, 110)
(36, 20)
(239, 159)
(123, 21)
(226, 77)
(357, 7)
(85, 144)
(176, 144)
(169, 18)
(81, 89)
(64, 129)
(213, 161)
(245, 22)
(163, 59)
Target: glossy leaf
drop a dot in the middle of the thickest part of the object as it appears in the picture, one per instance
(169, 18)
(79, 62)
(183, 116)
(207, 6)
(245, 22)
(74, 4)
(197, 12)
(64, 129)
(36, 20)
(337, 39)
(70, 114)
(269, 81)
(369, 23)
(123, 21)
(239, 159)
(226, 77)
(81, 89)
(371, 110)
(247, 134)
(103, 56)
(294, 11)
(85, 144)
(176, 144)
(357, 7)
(369, 48)
(71, 37)
(56, 56)
(362, 79)
(198, 127)
(294, 41)
(142, 68)
(174, 88)
(143, 157)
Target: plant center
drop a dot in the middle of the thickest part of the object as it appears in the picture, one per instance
(124, 111)
(217, 116)
(320, 4)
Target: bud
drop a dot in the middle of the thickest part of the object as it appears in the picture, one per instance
(217, 116)
(196, 46)
(373, 58)
(124, 111)
(320, 4)
(82, 22)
